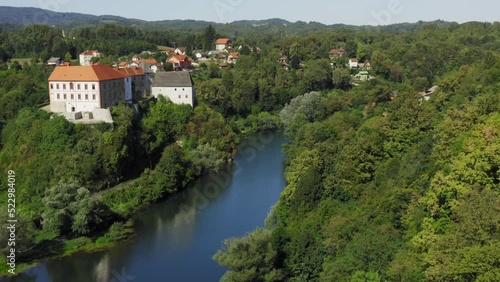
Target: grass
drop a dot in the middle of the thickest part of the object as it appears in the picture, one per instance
(163, 48)
(21, 61)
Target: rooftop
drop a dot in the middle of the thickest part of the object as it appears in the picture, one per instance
(86, 73)
(173, 79)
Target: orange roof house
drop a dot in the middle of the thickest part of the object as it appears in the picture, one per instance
(222, 44)
(181, 62)
(337, 53)
(87, 88)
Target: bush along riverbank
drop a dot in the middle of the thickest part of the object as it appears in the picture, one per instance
(98, 176)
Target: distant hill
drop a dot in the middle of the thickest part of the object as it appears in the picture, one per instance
(29, 16)
(12, 17)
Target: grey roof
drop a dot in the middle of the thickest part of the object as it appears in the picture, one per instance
(173, 79)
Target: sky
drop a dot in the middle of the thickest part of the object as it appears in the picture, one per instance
(354, 12)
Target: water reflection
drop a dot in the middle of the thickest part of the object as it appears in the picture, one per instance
(177, 238)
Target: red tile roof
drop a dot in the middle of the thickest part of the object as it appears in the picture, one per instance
(222, 41)
(89, 52)
(86, 73)
(179, 58)
(151, 61)
(132, 71)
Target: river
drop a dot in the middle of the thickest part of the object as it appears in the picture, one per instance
(177, 238)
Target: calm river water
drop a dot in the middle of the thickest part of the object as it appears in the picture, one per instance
(177, 238)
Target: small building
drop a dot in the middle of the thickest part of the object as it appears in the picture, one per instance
(201, 55)
(86, 88)
(181, 62)
(337, 53)
(180, 51)
(87, 55)
(223, 44)
(353, 63)
(426, 95)
(54, 61)
(366, 65)
(177, 86)
(362, 76)
(233, 56)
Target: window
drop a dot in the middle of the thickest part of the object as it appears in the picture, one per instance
(86, 87)
(72, 97)
(93, 97)
(64, 96)
(58, 97)
(186, 96)
(93, 86)
(182, 89)
(78, 86)
(71, 85)
(51, 86)
(79, 97)
(175, 89)
(64, 86)
(179, 96)
(86, 96)
(57, 86)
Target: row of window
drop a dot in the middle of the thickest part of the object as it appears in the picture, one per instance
(180, 96)
(71, 86)
(72, 96)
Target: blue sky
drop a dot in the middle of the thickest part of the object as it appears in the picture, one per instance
(356, 12)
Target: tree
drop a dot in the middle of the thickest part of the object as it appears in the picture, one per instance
(251, 258)
(67, 57)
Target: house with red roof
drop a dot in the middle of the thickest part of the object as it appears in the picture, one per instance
(337, 53)
(87, 55)
(222, 44)
(353, 63)
(87, 88)
(180, 51)
(181, 62)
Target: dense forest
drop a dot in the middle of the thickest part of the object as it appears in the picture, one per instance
(381, 184)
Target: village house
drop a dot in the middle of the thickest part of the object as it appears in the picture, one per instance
(337, 53)
(222, 44)
(366, 65)
(86, 56)
(426, 95)
(362, 76)
(54, 61)
(233, 56)
(353, 63)
(201, 55)
(180, 51)
(87, 88)
(177, 86)
(180, 62)
(283, 60)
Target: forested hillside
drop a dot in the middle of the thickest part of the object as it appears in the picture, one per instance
(390, 190)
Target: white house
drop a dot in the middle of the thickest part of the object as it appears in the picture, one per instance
(353, 63)
(180, 51)
(86, 56)
(177, 86)
(222, 44)
(87, 88)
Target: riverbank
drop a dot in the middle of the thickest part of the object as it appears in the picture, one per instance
(180, 234)
(116, 199)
